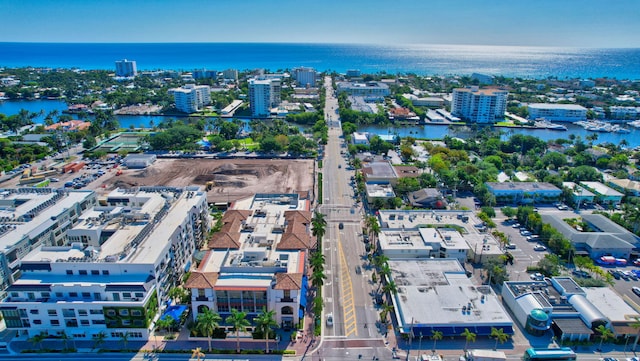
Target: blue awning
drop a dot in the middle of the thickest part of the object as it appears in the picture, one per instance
(174, 312)
(303, 296)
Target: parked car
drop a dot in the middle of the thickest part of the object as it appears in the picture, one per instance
(539, 248)
(615, 274)
(358, 270)
(581, 273)
(537, 276)
(510, 246)
(516, 225)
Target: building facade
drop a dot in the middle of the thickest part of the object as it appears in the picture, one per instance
(113, 274)
(305, 77)
(557, 112)
(485, 106)
(191, 98)
(369, 90)
(263, 95)
(524, 192)
(257, 259)
(34, 217)
(126, 68)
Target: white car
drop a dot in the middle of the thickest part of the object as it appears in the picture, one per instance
(330, 320)
(539, 248)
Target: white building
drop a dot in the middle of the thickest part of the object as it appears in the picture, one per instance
(624, 113)
(379, 191)
(263, 95)
(114, 273)
(230, 74)
(257, 259)
(139, 161)
(479, 105)
(191, 98)
(126, 68)
(359, 138)
(31, 217)
(557, 112)
(305, 77)
(369, 90)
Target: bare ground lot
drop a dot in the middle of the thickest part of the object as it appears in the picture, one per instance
(233, 178)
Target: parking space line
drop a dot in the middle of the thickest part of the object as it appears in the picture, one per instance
(346, 290)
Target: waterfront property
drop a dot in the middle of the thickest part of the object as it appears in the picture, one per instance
(436, 295)
(113, 273)
(572, 312)
(524, 192)
(604, 195)
(305, 77)
(34, 217)
(191, 98)
(484, 106)
(264, 94)
(604, 237)
(557, 112)
(369, 90)
(257, 259)
(126, 68)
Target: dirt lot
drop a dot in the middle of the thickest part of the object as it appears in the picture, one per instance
(233, 178)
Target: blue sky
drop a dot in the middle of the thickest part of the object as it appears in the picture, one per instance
(575, 23)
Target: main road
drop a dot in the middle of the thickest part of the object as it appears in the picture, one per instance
(348, 290)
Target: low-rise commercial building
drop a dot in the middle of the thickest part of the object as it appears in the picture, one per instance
(579, 195)
(139, 161)
(524, 192)
(369, 90)
(113, 273)
(436, 295)
(375, 191)
(557, 112)
(257, 259)
(604, 195)
(360, 138)
(626, 186)
(381, 172)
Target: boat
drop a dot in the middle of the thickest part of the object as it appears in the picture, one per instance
(619, 129)
(543, 123)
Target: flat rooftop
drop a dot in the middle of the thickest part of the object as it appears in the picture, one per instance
(523, 186)
(602, 189)
(433, 292)
(552, 106)
(578, 190)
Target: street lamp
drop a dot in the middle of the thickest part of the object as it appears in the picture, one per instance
(420, 345)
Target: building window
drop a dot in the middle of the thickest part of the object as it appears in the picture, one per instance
(59, 294)
(82, 272)
(15, 294)
(138, 323)
(86, 294)
(139, 294)
(126, 295)
(55, 323)
(95, 272)
(34, 312)
(84, 322)
(105, 272)
(46, 294)
(52, 312)
(116, 296)
(37, 322)
(136, 313)
(73, 294)
(111, 313)
(69, 272)
(82, 312)
(97, 312)
(124, 312)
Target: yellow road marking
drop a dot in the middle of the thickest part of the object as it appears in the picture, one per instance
(346, 288)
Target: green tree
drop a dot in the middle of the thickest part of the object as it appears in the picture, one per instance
(319, 224)
(469, 337)
(604, 334)
(508, 212)
(125, 339)
(499, 335)
(436, 336)
(266, 323)
(165, 323)
(239, 322)
(207, 322)
(99, 339)
(317, 279)
(37, 339)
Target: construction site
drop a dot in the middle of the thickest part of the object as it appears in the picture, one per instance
(225, 180)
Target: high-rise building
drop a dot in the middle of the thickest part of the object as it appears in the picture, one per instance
(479, 105)
(191, 98)
(263, 95)
(114, 273)
(305, 76)
(126, 68)
(230, 74)
(205, 74)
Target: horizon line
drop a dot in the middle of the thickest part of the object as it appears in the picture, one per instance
(313, 43)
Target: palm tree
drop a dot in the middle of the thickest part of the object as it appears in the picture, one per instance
(386, 308)
(266, 323)
(317, 279)
(317, 260)
(165, 323)
(65, 339)
(319, 224)
(37, 339)
(469, 336)
(380, 260)
(385, 272)
(197, 353)
(636, 325)
(499, 335)
(238, 320)
(125, 339)
(436, 336)
(207, 322)
(99, 339)
(605, 334)
(390, 287)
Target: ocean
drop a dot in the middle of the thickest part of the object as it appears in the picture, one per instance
(512, 61)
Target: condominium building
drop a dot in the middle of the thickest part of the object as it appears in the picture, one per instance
(191, 98)
(264, 94)
(230, 74)
(557, 112)
(31, 217)
(257, 259)
(114, 271)
(369, 90)
(476, 105)
(204, 74)
(305, 76)
(126, 68)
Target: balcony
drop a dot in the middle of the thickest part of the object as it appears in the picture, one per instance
(286, 299)
(202, 298)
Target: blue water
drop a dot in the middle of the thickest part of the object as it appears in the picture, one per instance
(528, 62)
(426, 131)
